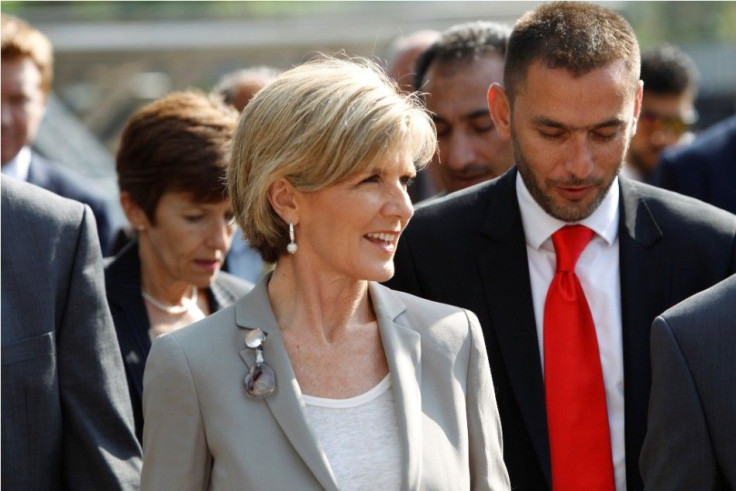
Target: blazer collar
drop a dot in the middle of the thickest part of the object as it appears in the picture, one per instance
(402, 347)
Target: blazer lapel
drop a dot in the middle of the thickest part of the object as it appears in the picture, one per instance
(286, 404)
(403, 353)
(646, 274)
(504, 269)
(123, 283)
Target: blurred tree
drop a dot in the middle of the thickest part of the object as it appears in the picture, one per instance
(682, 23)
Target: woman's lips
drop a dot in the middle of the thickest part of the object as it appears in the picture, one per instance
(210, 265)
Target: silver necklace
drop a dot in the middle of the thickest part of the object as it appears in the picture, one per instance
(186, 304)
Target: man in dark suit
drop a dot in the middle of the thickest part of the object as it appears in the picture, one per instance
(706, 169)
(66, 415)
(27, 71)
(569, 105)
(691, 439)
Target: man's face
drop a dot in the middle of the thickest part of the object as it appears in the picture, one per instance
(470, 150)
(570, 135)
(23, 105)
(663, 121)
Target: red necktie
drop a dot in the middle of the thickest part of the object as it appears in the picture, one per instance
(577, 419)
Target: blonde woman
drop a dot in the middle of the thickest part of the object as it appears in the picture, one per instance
(320, 377)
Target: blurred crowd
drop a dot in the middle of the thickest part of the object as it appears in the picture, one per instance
(559, 312)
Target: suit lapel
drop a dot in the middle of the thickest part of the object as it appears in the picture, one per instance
(646, 274)
(123, 283)
(504, 268)
(286, 404)
(403, 353)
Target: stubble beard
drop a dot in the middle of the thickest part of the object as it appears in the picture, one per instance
(572, 212)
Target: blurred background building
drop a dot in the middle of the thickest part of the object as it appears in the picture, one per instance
(112, 57)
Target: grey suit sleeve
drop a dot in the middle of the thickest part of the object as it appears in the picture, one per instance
(100, 447)
(175, 449)
(677, 451)
(487, 468)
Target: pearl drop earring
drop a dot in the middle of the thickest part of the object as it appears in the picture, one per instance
(291, 248)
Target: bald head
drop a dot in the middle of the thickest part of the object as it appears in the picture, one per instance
(403, 53)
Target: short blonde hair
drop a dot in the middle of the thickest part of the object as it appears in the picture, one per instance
(316, 125)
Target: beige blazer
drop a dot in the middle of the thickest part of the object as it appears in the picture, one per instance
(203, 432)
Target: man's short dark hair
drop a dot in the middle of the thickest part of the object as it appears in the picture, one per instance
(463, 43)
(666, 70)
(576, 36)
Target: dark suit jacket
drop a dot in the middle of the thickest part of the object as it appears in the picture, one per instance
(468, 249)
(52, 176)
(123, 285)
(66, 417)
(691, 440)
(706, 169)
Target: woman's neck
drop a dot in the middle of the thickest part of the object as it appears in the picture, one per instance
(329, 307)
(158, 284)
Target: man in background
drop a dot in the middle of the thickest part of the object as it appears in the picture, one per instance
(238, 88)
(27, 72)
(704, 169)
(565, 263)
(400, 64)
(403, 53)
(454, 75)
(667, 108)
(67, 421)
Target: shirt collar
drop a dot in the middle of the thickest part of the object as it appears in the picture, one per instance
(19, 165)
(539, 225)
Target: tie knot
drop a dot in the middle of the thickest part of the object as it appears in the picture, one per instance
(569, 242)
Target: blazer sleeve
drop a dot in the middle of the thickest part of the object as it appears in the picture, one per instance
(677, 452)
(487, 468)
(175, 452)
(100, 447)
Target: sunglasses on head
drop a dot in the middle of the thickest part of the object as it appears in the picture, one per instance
(260, 381)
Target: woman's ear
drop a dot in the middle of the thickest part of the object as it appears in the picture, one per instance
(500, 109)
(134, 213)
(282, 196)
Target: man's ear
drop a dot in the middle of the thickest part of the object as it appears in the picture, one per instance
(500, 109)
(637, 105)
(283, 199)
(133, 212)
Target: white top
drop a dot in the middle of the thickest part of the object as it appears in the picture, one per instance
(598, 271)
(360, 437)
(19, 165)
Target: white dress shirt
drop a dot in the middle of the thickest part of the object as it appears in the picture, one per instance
(598, 271)
(18, 166)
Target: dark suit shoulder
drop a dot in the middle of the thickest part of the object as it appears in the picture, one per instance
(439, 221)
(706, 313)
(64, 182)
(22, 198)
(715, 145)
(459, 204)
(680, 211)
